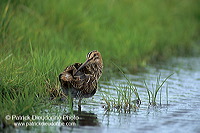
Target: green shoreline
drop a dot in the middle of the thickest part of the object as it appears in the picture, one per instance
(38, 39)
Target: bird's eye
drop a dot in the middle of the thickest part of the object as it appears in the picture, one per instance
(95, 54)
(88, 55)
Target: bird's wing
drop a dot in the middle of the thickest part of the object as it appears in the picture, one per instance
(90, 84)
(66, 76)
(82, 81)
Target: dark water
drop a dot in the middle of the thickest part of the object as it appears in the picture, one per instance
(181, 114)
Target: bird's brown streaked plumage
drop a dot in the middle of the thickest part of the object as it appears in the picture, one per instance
(80, 79)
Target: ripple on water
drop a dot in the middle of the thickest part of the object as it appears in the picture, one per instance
(182, 114)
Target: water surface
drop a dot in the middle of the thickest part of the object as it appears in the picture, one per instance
(180, 112)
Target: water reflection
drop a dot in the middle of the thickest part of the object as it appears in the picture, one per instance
(84, 121)
(81, 118)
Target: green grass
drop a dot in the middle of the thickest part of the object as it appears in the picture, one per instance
(124, 101)
(127, 98)
(152, 94)
(38, 39)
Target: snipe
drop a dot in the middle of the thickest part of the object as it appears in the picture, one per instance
(80, 79)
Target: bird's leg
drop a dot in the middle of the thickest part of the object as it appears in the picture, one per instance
(79, 104)
(70, 101)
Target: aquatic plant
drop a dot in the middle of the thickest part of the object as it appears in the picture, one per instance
(124, 101)
(152, 94)
(125, 94)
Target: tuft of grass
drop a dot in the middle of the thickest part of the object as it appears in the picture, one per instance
(152, 95)
(125, 93)
(132, 87)
(124, 101)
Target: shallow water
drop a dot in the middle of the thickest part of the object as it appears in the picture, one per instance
(180, 114)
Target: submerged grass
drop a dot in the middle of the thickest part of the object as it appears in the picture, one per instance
(39, 38)
(132, 87)
(125, 100)
(152, 95)
(125, 94)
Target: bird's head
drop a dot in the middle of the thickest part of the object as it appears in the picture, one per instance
(93, 57)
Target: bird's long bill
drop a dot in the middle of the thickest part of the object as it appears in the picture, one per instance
(85, 63)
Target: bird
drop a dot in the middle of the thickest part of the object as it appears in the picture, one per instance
(80, 80)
